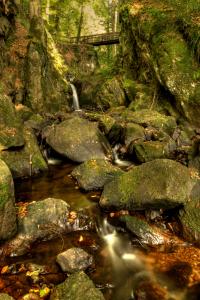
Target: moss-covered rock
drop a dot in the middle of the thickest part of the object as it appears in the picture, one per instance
(95, 173)
(189, 217)
(105, 123)
(161, 54)
(148, 234)
(161, 183)
(110, 94)
(25, 161)
(151, 118)
(147, 151)
(133, 132)
(77, 286)
(7, 203)
(10, 125)
(5, 297)
(78, 139)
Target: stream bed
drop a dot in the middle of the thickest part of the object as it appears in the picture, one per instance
(123, 268)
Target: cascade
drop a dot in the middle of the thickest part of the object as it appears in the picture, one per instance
(75, 98)
(117, 160)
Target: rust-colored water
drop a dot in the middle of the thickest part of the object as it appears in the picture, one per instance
(159, 276)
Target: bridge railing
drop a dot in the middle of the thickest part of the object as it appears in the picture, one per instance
(95, 39)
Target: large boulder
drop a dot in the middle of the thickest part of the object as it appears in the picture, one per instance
(25, 161)
(77, 286)
(95, 173)
(160, 183)
(78, 139)
(44, 220)
(11, 134)
(147, 151)
(7, 203)
(147, 117)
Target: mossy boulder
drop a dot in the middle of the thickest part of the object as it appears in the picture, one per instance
(147, 234)
(79, 140)
(161, 183)
(7, 203)
(5, 297)
(77, 286)
(189, 217)
(10, 125)
(105, 123)
(150, 118)
(133, 132)
(95, 173)
(110, 94)
(150, 150)
(40, 220)
(25, 161)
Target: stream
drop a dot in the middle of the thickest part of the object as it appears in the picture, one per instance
(123, 268)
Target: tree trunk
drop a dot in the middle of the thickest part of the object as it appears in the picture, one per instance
(34, 8)
(80, 25)
(47, 10)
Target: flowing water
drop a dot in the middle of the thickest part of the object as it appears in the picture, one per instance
(76, 105)
(123, 268)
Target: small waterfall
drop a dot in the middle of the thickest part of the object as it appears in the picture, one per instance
(75, 98)
(117, 160)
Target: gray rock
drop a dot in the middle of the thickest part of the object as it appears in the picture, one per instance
(161, 183)
(78, 139)
(77, 286)
(7, 203)
(25, 161)
(95, 173)
(74, 259)
(149, 235)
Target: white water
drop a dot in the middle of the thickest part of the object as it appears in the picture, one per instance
(75, 98)
(125, 261)
(117, 160)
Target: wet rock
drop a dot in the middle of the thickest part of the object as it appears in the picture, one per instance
(133, 133)
(95, 173)
(161, 183)
(38, 220)
(147, 151)
(11, 134)
(78, 139)
(74, 259)
(44, 220)
(5, 297)
(147, 234)
(7, 203)
(189, 217)
(77, 286)
(151, 118)
(116, 135)
(25, 161)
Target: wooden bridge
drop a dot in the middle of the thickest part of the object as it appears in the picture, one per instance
(97, 40)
